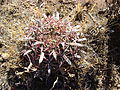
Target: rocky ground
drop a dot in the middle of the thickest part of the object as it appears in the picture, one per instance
(98, 65)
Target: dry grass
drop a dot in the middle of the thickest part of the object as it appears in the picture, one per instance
(93, 17)
(14, 19)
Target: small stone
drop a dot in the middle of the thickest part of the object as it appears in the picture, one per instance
(118, 85)
(1, 60)
(71, 75)
(5, 55)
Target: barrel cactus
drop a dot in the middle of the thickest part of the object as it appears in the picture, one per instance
(52, 37)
